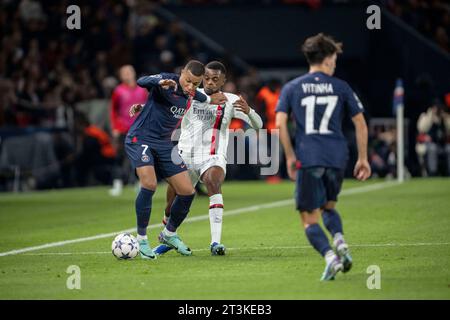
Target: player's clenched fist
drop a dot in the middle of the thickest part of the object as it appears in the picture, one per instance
(242, 105)
(291, 164)
(135, 108)
(167, 83)
(362, 170)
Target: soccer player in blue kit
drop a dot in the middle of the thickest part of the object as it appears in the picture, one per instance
(318, 102)
(148, 145)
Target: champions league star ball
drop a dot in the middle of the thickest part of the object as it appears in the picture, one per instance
(125, 246)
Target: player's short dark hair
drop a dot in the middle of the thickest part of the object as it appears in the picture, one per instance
(195, 67)
(217, 65)
(320, 46)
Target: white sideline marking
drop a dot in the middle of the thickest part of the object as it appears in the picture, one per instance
(275, 204)
(420, 244)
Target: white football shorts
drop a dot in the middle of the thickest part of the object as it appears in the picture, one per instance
(197, 167)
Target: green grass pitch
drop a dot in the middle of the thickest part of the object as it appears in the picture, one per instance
(404, 229)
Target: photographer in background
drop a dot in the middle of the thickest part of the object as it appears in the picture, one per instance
(433, 140)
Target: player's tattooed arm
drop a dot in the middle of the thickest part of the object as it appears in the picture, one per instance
(166, 84)
(135, 109)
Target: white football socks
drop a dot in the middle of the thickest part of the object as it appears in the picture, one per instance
(140, 238)
(215, 217)
(169, 233)
(329, 256)
(338, 237)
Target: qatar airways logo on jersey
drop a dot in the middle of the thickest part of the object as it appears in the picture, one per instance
(177, 112)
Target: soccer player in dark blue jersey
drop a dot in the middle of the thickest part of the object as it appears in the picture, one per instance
(318, 102)
(148, 145)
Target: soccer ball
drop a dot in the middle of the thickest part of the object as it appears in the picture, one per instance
(125, 246)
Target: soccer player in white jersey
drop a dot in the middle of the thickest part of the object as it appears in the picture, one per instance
(203, 146)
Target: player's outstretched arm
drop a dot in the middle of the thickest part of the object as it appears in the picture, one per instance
(291, 160)
(362, 170)
(157, 80)
(244, 112)
(149, 82)
(166, 84)
(201, 97)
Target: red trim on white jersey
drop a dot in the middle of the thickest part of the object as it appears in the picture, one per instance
(188, 105)
(216, 129)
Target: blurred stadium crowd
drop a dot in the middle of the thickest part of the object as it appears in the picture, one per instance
(431, 18)
(55, 83)
(51, 79)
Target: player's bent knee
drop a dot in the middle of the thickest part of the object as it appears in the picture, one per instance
(330, 205)
(307, 223)
(213, 180)
(185, 190)
(148, 184)
(212, 186)
(187, 193)
(147, 177)
(309, 218)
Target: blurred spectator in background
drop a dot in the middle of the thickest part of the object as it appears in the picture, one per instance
(266, 103)
(382, 152)
(8, 100)
(433, 140)
(95, 155)
(123, 97)
(431, 18)
(48, 73)
(30, 159)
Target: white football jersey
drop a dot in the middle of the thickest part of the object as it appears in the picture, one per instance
(204, 128)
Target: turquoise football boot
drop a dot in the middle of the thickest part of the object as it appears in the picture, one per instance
(331, 269)
(145, 250)
(175, 243)
(344, 254)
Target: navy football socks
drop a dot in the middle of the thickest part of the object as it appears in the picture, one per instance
(318, 238)
(332, 221)
(143, 209)
(178, 211)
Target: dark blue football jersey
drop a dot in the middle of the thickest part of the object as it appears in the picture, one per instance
(318, 103)
(162, 112)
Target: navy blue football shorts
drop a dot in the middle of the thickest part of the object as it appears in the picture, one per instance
(164, 158)
(316, 186)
